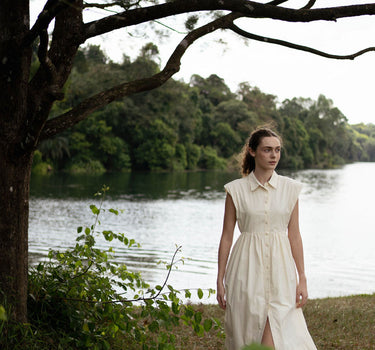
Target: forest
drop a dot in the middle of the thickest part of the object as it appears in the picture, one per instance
(187, 126)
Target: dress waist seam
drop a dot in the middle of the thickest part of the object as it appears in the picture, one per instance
(263, 232)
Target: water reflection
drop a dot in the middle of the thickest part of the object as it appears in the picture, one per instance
(165, 209)
(132, 186)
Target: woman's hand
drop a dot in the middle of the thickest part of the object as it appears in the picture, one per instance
(220, 291)
(301, 294)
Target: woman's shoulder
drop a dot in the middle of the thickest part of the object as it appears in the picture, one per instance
(289, 182)
(237, 183)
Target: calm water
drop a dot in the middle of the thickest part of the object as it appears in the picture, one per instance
(164, 210)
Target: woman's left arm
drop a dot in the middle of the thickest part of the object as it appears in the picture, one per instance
(295, 240)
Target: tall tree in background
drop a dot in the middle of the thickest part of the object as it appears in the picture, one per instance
(26, 101)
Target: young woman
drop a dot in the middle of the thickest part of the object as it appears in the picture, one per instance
(263, 297)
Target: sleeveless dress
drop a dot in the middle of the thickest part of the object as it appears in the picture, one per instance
(261, 279)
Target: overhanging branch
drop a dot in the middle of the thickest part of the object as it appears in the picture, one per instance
(244, 7)
(82, 110)
(288, 44)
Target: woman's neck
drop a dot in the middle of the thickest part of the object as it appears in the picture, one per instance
(263, 175)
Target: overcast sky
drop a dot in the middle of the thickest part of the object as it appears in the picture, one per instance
(276, 70)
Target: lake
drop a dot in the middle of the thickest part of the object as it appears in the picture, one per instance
(162, 210)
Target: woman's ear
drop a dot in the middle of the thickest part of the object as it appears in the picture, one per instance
(250, 150)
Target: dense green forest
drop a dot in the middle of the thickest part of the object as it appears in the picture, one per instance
(197, 125)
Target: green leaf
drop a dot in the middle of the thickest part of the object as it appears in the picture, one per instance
(198, 317)
(113, 211)
(153, 326)
(175, 308)
(187, 293)
(3, 315)
(200, 293)
(94, 209)
(198, 329)
(87, 230)
(207, 324)
(79, 229)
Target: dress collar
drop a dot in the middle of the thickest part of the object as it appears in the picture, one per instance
(254, 183)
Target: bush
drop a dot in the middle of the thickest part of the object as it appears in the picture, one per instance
(81, 298)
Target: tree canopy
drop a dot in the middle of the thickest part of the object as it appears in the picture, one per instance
(202, 124)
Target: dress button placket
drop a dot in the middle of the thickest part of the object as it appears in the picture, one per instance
(267, 244)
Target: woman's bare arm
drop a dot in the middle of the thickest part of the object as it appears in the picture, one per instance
(295, 240)
(224, 247)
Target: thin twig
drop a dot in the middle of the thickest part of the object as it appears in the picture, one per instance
(264, 39)
(154, 297)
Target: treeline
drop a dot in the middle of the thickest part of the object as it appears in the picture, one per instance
(199, 125)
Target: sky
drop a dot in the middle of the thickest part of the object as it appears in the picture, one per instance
(276, 70)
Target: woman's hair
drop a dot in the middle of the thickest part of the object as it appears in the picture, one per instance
(248, 161)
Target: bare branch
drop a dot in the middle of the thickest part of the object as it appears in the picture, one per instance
(244, 7)
(44, 60)
(115, 3)
(276, 2)
(50, 10)
(82, 110)
(310, 4)
(248, 35)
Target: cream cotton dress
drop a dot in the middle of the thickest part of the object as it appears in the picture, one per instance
(261, 279)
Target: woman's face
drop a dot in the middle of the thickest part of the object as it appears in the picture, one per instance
(267, 155)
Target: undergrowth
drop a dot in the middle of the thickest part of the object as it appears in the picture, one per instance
(81, 298)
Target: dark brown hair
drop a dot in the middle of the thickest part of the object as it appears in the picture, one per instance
(248, 161)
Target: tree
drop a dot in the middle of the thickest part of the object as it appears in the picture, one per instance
(26, 100)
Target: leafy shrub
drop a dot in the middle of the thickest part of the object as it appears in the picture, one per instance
(81, 298)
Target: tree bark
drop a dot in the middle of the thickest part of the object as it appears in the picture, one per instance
(15, 159)
(14, 216)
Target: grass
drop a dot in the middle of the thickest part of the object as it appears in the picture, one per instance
(346, 323)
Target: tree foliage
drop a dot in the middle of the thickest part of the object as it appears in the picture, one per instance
(188, 126)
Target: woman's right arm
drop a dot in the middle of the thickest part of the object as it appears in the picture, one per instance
(224, 248)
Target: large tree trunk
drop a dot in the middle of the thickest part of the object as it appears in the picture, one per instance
(14, 215)
(15, 156)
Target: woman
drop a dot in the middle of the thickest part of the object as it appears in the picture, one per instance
(262, 297)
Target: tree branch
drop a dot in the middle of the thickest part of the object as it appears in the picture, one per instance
(44, 60)
(310, 4)
(276, 2)
(244, 7)
(248, 35)
(115, 3)
(82, 110)
(49, 12)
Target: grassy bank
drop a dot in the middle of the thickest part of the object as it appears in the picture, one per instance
(346, 323)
